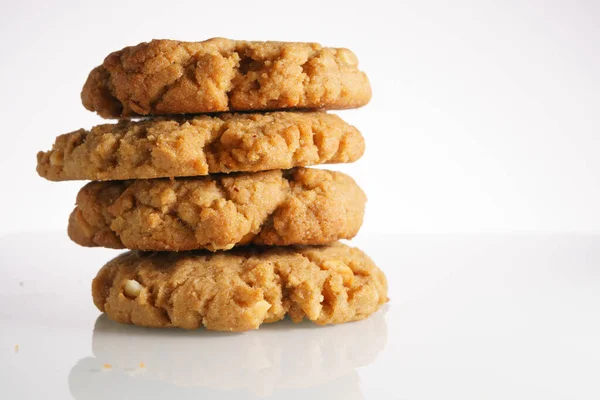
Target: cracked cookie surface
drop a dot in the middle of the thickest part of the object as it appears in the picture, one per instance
(201, 145)
(300, 206)
(240, 289)
(164, 77)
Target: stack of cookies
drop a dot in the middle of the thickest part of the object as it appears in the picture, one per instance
(208, 188)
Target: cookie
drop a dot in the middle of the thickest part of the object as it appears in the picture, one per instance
(218, 212)
(171, 77)
(201, 145)
(240, 289)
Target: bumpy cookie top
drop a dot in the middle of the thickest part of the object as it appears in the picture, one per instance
(201, 145)
(301, 206)
(172, 77)
(238, 290)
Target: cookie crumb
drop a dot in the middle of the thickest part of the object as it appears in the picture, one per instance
(16, 348)
(107, 366)
(142, 365)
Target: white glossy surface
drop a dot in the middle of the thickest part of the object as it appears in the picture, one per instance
(470, 317)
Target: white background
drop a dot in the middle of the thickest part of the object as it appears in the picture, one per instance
(484, 114)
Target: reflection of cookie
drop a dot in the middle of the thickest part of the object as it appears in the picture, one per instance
(281, 356)
(240, 289)
(88, 380)
(279, 361)
(200, 145)
(301, 206)
(170, 77)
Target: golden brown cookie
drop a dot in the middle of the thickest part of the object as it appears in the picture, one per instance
(301, 206)
(200, 145)
(170, 77)
(240, 289)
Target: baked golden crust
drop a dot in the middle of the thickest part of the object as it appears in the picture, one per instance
(240, 289)
(194, 146)
(301, 206)
(164, 77)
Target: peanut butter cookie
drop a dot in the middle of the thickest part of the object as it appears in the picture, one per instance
(201, 145)
(240, 289)
(301, 206)
(171, 77)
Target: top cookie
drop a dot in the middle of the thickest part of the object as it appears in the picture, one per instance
(171, 77)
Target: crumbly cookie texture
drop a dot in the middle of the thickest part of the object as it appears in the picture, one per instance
(240, 289)
(201, 145)
(171, 77)
(301, 206)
